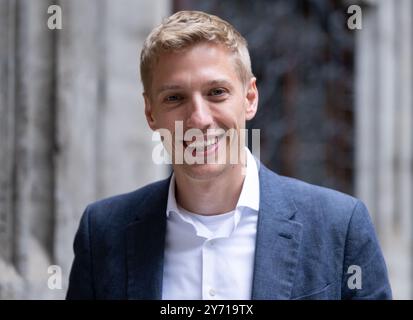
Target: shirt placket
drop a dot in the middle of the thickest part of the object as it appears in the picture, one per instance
(209, 285)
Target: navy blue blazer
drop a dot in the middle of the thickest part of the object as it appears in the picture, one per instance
(307, 239)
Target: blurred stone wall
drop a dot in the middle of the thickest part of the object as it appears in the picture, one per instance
(384, 131)
(72, 127)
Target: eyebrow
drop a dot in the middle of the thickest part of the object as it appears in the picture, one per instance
(168, 87)
(216, 82)
(219, 82)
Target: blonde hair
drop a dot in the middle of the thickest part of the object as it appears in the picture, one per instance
(186, 28)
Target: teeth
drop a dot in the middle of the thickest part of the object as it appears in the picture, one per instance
(202, 144)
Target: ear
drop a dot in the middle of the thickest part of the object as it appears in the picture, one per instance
(150, 118)
(252, 99)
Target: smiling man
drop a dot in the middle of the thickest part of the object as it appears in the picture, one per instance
(218, 228)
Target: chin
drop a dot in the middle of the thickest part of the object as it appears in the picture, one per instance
(204, 171)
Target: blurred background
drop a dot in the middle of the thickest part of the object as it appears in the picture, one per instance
(336, 109)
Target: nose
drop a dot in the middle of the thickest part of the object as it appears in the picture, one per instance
(199, 114)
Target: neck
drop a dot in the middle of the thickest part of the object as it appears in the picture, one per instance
(212, 196)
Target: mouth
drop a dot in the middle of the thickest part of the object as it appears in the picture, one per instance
(203, 146)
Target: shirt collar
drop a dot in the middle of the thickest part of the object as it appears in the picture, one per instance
(172, 205)
(249, 197)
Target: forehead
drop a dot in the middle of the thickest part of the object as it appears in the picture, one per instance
(197, 64)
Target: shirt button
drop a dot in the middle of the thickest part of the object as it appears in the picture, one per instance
(211, 243)
(211, 292)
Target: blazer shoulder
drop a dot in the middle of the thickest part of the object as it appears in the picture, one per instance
(327, 205)
(305, 191)
(125, 208)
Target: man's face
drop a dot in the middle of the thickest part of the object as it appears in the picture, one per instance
(201, 88)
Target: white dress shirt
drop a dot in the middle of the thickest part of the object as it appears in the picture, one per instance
(212, 257)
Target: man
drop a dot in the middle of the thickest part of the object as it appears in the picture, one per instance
(217, 228)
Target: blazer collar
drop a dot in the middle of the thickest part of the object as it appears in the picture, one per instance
(145, 246)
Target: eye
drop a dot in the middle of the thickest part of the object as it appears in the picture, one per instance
(218, 92)
(173, 98)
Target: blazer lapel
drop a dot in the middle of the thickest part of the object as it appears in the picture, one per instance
(278, 240)
(145, 247)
